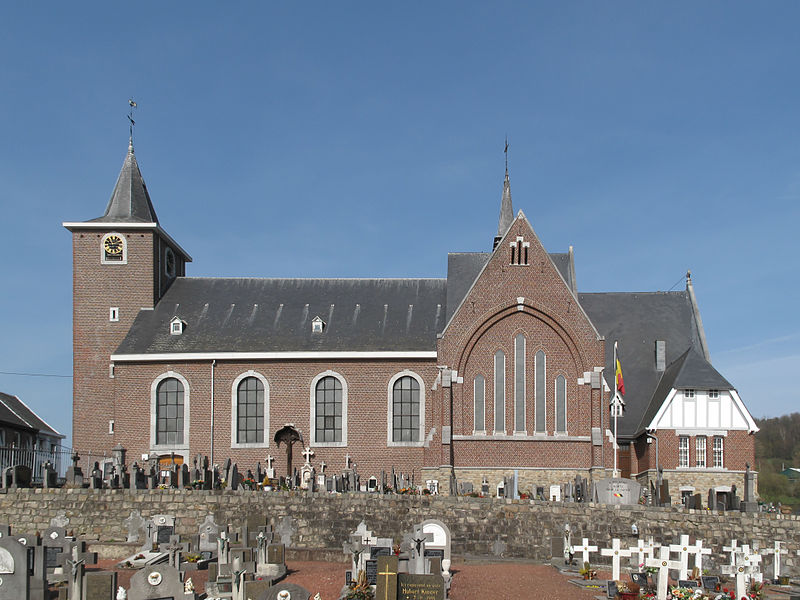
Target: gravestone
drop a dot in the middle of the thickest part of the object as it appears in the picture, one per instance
(74, 473)
(285, 530)
(21, 476)
(135, 525)
(14, 581)
(101, 586)
(639, 579)
(285, 591)
(386, 586)
(749, 504)
(617, 491)
(371, 570)
(710, 582)
(156, 582)
(207, 535)
(611, 589)
(420, 587)
(165, 528)
(440, 546)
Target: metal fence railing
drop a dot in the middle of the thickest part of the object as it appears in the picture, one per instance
(34, 459)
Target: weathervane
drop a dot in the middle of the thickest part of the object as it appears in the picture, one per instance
(132, 105)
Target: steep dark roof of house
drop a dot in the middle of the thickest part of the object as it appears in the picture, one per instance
(636, 321)
(130, 202)
(464, 267)
(274, 315)
(16, 414)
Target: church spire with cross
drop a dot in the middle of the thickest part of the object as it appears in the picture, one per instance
(506, 209)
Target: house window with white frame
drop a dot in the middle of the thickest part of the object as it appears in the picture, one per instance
(688, 394)
(250, 411)
(405, 410)
(683, 452)
(169, 412)
(718, 452)
(328, 410)
(713, 394)
(700, 452)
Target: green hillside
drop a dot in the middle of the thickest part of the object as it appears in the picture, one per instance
(778, 447)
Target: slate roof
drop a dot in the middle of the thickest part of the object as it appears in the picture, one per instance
(636, 321)
(274, 315)
(16, 414)
(130, 201)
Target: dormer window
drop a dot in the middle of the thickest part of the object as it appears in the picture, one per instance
(317, 325)
(519, 251)
(176, 326)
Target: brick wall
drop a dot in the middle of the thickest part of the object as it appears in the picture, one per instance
(323, 521)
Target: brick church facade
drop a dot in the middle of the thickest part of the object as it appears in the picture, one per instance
(501, 366)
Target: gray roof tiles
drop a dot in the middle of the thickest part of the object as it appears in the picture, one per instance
(130, 201)
(16, 413)
(274, 315)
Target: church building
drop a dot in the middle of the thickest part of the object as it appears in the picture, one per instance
(502, 366)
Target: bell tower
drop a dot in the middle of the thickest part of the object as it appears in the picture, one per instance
(123, 262)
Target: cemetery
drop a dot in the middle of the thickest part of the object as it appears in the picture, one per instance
(213, 531)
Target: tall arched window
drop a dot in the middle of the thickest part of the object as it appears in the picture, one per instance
(250, 411)
(561, 404)
(169, 412)
(541, 393)
(519, 383)
(405, 410)
(499, 392)
(479, 391)
(328, 410)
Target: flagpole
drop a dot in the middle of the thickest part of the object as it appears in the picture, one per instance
(616, 410)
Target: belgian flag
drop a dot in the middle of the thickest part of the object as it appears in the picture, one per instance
(618, 372)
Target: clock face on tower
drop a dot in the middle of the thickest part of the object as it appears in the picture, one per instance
(113, 248)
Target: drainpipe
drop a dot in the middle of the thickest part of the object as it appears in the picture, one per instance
(213, 364)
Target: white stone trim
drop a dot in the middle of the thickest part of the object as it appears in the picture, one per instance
(173, 356)
(313, 412)
(166, 448)
(390, 410)
(235, 411)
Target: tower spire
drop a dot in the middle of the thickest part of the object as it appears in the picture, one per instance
(506, 209)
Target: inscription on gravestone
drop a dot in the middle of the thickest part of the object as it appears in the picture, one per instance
(372, 571)
(376, 551)
(420, 587)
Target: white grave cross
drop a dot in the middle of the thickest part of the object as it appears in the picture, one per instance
(740, 570)
(307, 454)
(663, 564)
(683, 550)
(751, 559)
(641, 551)
(585, 550)
(776, 552)
(615, 552)
(698, 550)
(732, 550)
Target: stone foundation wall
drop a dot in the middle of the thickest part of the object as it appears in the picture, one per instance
(323, 521)
(700, 480)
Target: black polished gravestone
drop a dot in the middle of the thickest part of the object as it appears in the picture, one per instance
(639, 579)
(371, 570)
(611, 589)
(710, 583)
(420, 587)
(688, 583)
(376, 551)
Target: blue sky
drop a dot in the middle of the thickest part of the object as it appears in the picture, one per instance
(360, 140)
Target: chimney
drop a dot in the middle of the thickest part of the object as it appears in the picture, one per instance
(661, 355)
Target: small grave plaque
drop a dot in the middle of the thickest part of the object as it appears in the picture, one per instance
(376, 551)
(434, 553)
(420, 587)
(611, 589)
(348, 577)
(688, 583)
(100, 585)
(51, 554)
(372, 571)
(710, 583)
(275, 554)
(639, 579)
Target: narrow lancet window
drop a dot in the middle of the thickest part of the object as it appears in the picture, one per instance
(499, 392)
(519, 383)
(480, 406)
(541, 394)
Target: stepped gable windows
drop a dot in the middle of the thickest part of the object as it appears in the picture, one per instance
(329, 409)
(406, 410)
(519, 384)
(700, 452)
(479, 395)
(683, 452)
(169, 412)
(113, 249)
(719, 462)
(499, 392)
(540, 392)
(519, 252)
(561, 404)
(249, 411)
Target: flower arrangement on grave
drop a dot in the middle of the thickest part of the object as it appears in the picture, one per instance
(162, 486)
(524, 496)
(627, 587)
(249, 483)
(756, 591)
(723, 594)
(197, 484)
(396, 549)
(191, 557)
(588, 572)
(408, 490)
(360, 588)
(139, 556)
(683, 593)
(426, 492)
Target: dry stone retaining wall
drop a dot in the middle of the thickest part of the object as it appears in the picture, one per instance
(323, 521)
